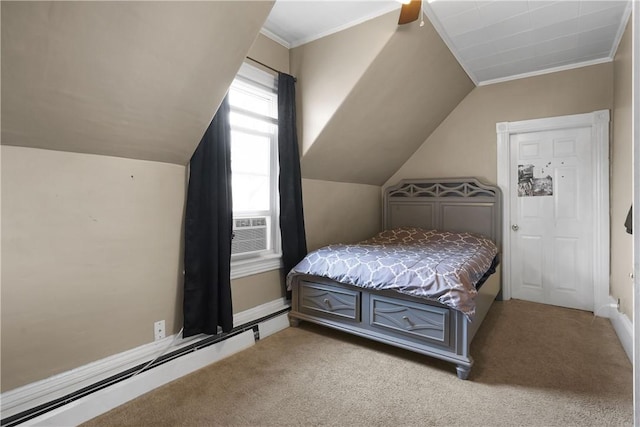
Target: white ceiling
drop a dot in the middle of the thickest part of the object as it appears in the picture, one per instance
(493, 40)
(296, 22)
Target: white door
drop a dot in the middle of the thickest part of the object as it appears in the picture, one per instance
(552, 217)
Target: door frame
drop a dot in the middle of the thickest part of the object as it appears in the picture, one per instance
(599, 123)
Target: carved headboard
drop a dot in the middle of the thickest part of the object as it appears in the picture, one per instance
(448, 204)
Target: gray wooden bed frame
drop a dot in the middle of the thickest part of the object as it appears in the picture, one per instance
(419, 325)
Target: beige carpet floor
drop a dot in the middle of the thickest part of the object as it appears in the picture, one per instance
(535, 365)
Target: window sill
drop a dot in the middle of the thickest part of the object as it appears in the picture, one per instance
(257, 265)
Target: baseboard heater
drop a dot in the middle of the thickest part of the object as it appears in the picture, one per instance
(29, 414)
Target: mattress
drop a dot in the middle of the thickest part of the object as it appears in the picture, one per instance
(437, 265)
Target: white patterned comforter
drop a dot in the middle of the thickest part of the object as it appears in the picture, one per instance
(441, 266)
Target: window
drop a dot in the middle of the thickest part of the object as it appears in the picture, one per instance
(253, 102)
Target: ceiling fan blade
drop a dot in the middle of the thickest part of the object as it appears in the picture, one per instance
(410, 12)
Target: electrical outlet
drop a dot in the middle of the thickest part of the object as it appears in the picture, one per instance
(158, 330)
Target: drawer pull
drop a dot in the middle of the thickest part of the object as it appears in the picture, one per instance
(327, 302)
(406, 319)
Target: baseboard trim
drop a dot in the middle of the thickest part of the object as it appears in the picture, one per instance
(104, 400)
(623, 327)
(273, 325)
(259, 312)
(33, 395)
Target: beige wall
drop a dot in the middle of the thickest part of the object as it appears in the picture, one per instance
(465, 143)
(91, 258)
(92, 251)
(269, 52)
(252, 291)
(336, 212)
(329, 68)
(622, 177)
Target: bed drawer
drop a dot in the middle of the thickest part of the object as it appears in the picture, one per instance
(416, 320)
(317, 299)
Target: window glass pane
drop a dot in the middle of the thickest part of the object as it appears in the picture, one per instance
(241, 120)
(254, 129)
(250, 101)
(250, 192)
(250, 167)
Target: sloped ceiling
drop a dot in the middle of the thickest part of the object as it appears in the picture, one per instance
(402, 95)
(330, 67)
(128, 79)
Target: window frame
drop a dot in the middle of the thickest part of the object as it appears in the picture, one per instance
(270, 259)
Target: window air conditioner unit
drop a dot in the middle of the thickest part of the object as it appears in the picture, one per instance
(249, 235)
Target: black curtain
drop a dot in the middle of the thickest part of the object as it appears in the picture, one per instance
(294, 243)
(208, 228)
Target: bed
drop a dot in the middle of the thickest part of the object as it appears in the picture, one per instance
(426, 325)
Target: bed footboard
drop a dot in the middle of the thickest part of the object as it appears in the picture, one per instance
(415, 324)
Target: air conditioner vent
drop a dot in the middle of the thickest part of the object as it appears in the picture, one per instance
(249, 235)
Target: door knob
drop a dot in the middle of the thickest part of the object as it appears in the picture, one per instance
(515, 227)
